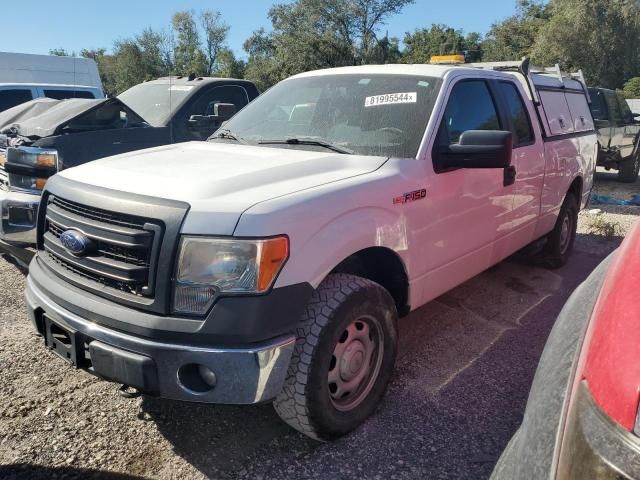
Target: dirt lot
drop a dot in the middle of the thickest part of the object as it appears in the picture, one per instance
(466, 363)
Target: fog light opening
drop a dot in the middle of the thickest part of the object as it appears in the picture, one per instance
(197, 378)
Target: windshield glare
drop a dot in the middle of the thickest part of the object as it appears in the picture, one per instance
(155, 102)
(382, 115)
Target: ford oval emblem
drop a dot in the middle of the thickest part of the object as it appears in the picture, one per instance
(76, 242)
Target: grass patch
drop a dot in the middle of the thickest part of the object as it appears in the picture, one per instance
(599, 225)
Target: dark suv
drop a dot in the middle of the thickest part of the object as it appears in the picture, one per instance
(618, 132)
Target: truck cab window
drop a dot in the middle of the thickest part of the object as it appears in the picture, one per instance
(598, 105)
(61, 94)
(517, 113)
(205, 106)
(470, 107)
(13, 97)
(626, 114)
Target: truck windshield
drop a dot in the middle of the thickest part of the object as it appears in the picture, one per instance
(155, 102)
(381, 115)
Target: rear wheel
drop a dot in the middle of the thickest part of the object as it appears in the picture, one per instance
(560, 240)
(343, 359)
(629, 168)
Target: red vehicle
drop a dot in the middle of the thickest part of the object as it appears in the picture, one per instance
(582, 419)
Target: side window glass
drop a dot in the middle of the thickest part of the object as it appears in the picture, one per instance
(13, 97)
(626, 114)
(470, 107)
(64, 94)
(233, 94)
(614, 108)
(598, 107)
(518, 115)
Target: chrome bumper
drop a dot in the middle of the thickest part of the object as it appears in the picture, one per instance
(18, 212)
(243, 375)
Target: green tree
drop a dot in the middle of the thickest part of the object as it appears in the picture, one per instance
(61, 52)
(228, 66)
(106, 67)
(602, 37)
(215, 36)
(188, 55)
(631, 88)
(439, 39)
(314, 34)
(514, 37)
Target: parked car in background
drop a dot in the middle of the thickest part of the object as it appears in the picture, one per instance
(24, 77)
(44, 136)
(273, 261)
(618, 133)
(582, 419)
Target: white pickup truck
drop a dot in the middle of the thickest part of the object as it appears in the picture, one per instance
(274, 261)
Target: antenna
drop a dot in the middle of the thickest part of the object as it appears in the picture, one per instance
(171, 66)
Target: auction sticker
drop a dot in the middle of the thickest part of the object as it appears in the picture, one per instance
(391, 99)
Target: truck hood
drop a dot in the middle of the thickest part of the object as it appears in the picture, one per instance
(220, 181)
(44, 117)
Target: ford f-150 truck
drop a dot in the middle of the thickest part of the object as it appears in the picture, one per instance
(272, 263)
(42, 137)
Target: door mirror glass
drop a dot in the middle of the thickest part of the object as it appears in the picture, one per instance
(478, 149)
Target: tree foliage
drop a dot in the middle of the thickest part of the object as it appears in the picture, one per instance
(440, 39)
(602, 37)
(631, 88)
(314, 34)
(515, 36)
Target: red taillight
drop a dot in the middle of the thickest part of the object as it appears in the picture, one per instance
(612, 367)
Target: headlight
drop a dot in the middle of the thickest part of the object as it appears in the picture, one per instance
(208, 267)
(30, 167)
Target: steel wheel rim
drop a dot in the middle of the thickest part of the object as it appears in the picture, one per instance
(356, 362)
(565, 233)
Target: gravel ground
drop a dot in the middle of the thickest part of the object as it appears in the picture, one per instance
(464, 370)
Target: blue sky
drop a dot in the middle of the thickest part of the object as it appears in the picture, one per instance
(74, 25)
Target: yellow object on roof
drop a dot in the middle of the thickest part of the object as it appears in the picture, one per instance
(446, 59)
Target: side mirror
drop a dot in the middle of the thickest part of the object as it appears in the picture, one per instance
(478, 149)
(201, 122)
(224, 111)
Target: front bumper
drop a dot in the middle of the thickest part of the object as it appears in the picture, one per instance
(18, 212)
(244, 375)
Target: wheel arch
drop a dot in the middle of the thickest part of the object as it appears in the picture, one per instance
(383, 266)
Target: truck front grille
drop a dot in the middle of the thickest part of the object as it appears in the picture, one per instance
(124, 253)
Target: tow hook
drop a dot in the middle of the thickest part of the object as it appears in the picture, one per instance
(129, 392)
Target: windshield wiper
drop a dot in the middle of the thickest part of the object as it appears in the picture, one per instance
(227, 134)
(308, 141)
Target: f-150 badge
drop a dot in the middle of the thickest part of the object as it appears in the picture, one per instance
(410, 197)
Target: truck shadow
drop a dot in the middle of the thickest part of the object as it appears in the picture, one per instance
(465, 365)
(39, 472)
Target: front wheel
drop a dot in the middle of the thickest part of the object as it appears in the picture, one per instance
(343, 359)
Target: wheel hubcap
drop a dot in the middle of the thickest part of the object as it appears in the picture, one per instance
(355, 363)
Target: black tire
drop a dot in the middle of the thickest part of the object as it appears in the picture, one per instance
(339, 304)
(560, 242)
(629, 168)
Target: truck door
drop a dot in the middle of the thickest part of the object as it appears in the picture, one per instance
(469, 210)
(616, 122)
(629, 128)
(527, 159)
(601, 120)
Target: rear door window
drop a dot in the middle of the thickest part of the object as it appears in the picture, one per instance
(470, 107)
(61, 94)
(11, 98)
(517, 113)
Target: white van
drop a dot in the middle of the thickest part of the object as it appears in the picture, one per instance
(24, 77)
